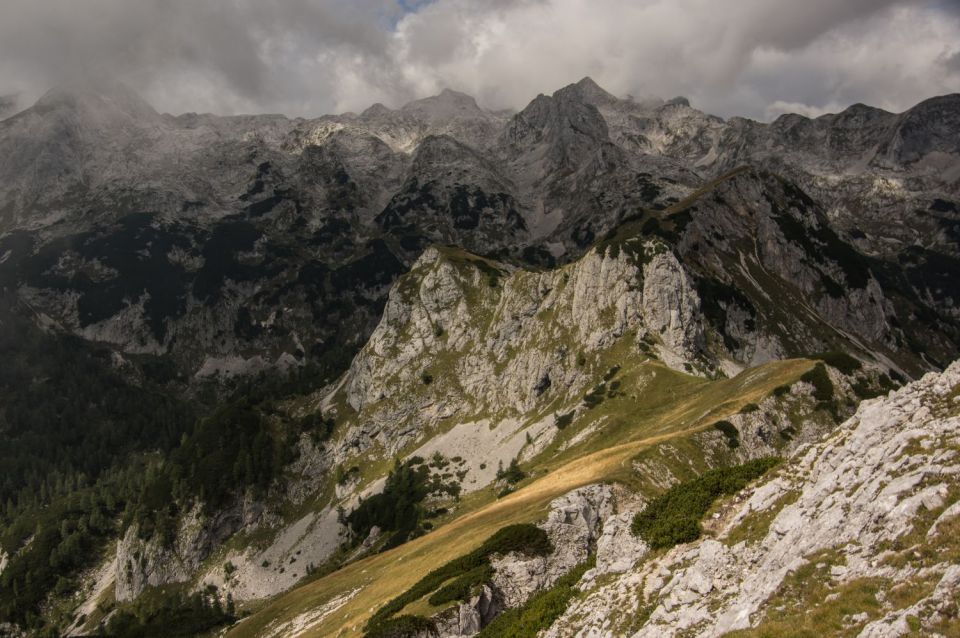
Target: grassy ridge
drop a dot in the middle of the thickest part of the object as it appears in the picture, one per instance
(670, 407)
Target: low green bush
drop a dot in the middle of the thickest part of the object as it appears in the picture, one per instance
(596, 396)
(460, 587)
(402, 627)
(842, 361)
(820, 380)
(512, 474)
(730, 432)
(563, 420)
(674, 517)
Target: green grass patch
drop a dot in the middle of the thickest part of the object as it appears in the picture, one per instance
(674, 517)
(755, 525)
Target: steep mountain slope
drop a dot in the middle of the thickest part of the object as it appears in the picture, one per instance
(857, 535)
(224, 220)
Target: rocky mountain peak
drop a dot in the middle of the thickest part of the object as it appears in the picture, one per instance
(563, 116)
(376, 110)
(590, 92)
(929, 127)
(448, 103)
(98, 101)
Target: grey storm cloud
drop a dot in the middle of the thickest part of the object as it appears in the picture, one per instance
(306, 57)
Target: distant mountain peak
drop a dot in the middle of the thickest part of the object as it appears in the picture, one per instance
(376, 110)
(96, 98)
(588, 91)
(446, 103)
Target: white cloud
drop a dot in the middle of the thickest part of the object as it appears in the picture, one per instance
(306, 57)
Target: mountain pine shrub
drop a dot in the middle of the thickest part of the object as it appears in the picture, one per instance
(674, 516)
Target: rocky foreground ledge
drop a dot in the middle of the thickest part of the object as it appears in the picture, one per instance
(858, 534)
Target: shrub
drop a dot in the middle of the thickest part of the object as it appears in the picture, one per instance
(730, 432)
(345, 475)
(842, 361)
(674, 517)
(563, 420)
(461, 586)
(402, 627)
(595, 397)
(426, 378)
(522, 537)
(750, 408)
(820, 380)
(513, 473)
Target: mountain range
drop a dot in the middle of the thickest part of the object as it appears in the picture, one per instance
(593, 366)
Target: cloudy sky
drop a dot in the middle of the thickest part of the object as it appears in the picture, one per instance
(308, 57)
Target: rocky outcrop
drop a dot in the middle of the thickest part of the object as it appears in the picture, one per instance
(469, 617)
(573, 525)
(142, 563)
(671, 310)
(838, 510)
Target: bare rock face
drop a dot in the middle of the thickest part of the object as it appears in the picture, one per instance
(671, 310)
(470, 617)
(618, 549)
(150, 563)
(848, 497)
